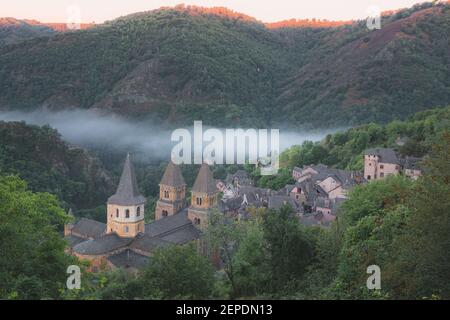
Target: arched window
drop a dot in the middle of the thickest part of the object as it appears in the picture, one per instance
(125, 229)
(165, 213)
(166, 194)
(117, 213)
(199, 201)
(127, 213)
(138, 211)
(197, 221)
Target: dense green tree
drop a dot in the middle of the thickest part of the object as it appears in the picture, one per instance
(250, 261)
(423, 253)
(290, 248)
(178, 272)
(33, 263)
(224, 236)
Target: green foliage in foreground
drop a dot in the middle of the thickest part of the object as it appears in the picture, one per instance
(344, 149)
(32, 259)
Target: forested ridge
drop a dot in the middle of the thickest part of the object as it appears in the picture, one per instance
(182, 64)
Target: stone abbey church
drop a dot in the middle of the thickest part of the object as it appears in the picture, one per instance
(126, 240)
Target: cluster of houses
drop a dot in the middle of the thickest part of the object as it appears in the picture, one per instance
(318, 191)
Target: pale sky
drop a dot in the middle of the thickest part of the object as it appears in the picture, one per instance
(264, 10)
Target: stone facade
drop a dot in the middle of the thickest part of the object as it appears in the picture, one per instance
(171, 201)
(380, 163)
(203, 199)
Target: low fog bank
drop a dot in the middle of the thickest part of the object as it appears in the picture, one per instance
(89, 129)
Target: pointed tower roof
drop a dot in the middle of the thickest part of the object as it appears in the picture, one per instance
(205, 181)
(172, 176)
(127, 193)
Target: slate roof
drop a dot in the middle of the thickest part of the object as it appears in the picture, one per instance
(166, 225)
(129, 259)
(285, 190)
(89, 228)
(127, 193)
(147, 243)
(102, 245)
(183, 235)
(386, 155)
(205, 181)
(324, 203)
(241, 177)
(412, 163)
(172, 176)
(276, 202)
(231, 204)
(73, 240)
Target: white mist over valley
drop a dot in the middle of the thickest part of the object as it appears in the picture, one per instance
(90, 129)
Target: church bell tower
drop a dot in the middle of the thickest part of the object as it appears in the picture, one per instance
(172, 192)
(125, 209)
(204, 197)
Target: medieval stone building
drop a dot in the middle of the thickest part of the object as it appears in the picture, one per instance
(126, 240)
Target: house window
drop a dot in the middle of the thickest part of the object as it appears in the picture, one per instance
(165, 213)
(117, 213)
(369, 177)
(197, 221)
(125, 229)
(199, 201)
(166, 194)
(138, 211)
(127, 213)
(381, 166)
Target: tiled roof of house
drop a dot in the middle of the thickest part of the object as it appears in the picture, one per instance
(241, 177)
(102, 245)
(205, 181)
(129, 259)
(386, 155)
(88, 228)
(285, 190)
(172, 176)
(343, 176)
(127, 193)
(276, 202)
(231, 204)
(412, 163)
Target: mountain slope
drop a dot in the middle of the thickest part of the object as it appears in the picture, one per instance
(14, 31)
(180, 64)
(380, 75)
(48, 164)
